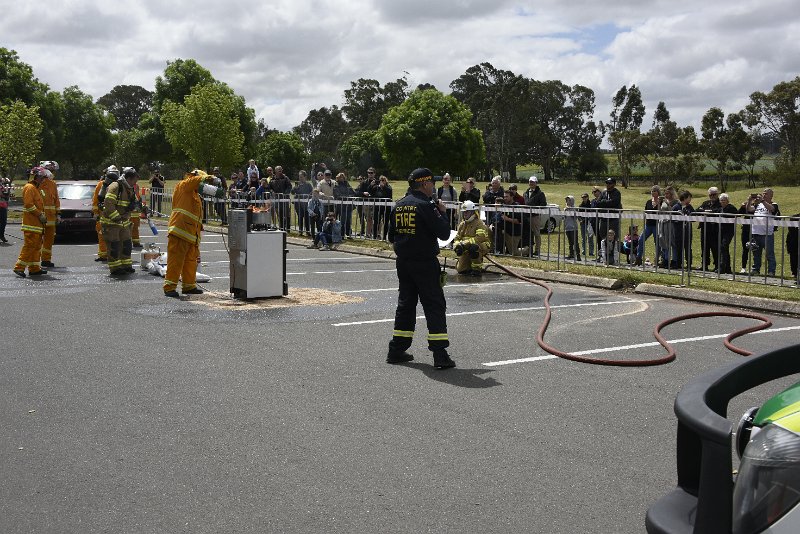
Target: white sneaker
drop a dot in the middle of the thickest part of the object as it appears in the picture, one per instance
(743, 271)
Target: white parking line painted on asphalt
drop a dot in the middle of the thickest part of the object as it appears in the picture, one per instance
(508, 310)
(328, 272)
(358, 259)
(353, 260)
(448, 286)
(637, 346)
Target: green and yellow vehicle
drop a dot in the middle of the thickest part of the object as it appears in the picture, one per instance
(764, 495)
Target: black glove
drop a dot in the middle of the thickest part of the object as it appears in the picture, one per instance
(459, 249)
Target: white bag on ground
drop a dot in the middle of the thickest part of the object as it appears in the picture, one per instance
(158, 267)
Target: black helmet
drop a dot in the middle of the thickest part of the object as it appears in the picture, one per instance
(129, 172)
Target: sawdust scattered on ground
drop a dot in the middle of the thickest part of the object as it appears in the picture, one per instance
(298, 296)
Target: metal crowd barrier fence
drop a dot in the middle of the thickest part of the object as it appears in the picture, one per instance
(684, 245)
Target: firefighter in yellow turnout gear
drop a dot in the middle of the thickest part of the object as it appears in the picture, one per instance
(118, 203)
(471, 242)
(102, 252)
(33, 225)
(52, 207)
(185, 226)
(136, 217)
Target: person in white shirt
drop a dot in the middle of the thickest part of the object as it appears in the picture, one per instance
(764, 211)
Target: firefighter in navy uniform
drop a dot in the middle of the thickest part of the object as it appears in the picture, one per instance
(414, 225)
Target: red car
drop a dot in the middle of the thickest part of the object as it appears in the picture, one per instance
(76, 207)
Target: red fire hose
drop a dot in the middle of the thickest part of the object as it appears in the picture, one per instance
(765, 323)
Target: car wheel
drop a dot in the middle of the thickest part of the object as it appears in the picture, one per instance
(550, 226)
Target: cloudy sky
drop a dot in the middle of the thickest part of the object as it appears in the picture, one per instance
(287, 57)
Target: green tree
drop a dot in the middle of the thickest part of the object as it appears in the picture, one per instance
(724, 142)
(366, 102)
(127, 103)
(51, 110)
(779, 112)
(205, 127)
(432, 130)
(748, 150)
(560, 124)
(20, 130)
(627, 115)
(87, 132)
(689, 154)
(499, 101)
(659, 146)
(322, 132)
(17, 82)
(785, 172)
(127, 149)
(361, 151)
(284, 149)
(585, 158)
(180, 77)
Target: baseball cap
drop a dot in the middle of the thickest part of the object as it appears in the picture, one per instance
(533, 179)
(611, 180)
(421, 174)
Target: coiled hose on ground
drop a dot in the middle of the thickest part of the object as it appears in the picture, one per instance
(765, 323)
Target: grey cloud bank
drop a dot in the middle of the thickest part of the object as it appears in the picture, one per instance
(288, 57)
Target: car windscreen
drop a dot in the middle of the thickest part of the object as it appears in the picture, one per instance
(75, 192)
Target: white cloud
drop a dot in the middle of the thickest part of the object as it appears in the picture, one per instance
(287, 57)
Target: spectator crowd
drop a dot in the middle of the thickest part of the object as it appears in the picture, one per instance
(330, 208)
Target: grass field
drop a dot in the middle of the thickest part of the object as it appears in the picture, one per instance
(765, 163)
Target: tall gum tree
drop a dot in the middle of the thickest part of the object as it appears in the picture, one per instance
(627, 115)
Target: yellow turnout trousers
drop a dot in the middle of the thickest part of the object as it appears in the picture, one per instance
(181, 264)
(31, 254)
(118, 238)
(135, 229)
(102, 251)
(48, 239)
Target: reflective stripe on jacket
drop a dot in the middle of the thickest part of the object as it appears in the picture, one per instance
(473, 231)
(32, 207)
(52, 204)
(116, 206)
(187, 209)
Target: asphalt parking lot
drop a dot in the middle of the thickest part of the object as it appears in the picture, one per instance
(124, 411)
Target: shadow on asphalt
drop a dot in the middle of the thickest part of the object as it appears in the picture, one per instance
(465, 378)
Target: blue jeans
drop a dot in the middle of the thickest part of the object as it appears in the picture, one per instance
(763, 241)
(648, 231)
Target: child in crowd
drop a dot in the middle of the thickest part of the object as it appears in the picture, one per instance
(631, 243)
(609, 249)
